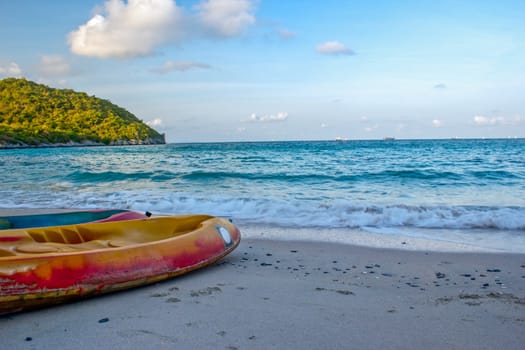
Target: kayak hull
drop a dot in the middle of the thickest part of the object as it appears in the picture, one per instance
(45, 266)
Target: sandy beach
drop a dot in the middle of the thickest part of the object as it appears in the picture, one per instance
(271, 294)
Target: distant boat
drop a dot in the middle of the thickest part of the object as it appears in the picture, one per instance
(340, 139)
(389, 138)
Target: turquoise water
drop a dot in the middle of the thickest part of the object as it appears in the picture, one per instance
(401, 187)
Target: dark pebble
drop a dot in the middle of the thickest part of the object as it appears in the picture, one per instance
(493, 270)
(266, 264)
(485, 284)
(440, 275)
(268, 254)
(387, 274)
(293, 251)
(466, 275)
(28, 339)
(103, 320)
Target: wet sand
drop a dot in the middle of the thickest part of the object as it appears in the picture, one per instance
(272, 294)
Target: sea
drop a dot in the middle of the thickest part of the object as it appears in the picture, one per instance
(468, 192)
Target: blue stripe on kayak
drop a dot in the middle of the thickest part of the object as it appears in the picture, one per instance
(55, 219)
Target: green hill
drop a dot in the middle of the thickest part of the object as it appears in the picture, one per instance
(33, 114)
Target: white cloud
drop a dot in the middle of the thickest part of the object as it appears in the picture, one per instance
(54, 65)
(180, 66)
(129, 29)
(284, 33)
(124, 29)
(154, 122)
(281, 116)
(480, 120)
(11, 70)
(226, 18)
(334, 48)
(436, 123)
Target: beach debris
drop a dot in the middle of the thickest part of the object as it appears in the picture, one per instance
(440, 275)
(493, 270)
(205, 291)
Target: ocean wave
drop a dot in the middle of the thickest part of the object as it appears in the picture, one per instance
(110, 176)
(323, 176)
(292, 213)
(342, 214)
(320, 175)
(495, 175)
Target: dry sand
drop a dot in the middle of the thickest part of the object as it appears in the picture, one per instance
(272, 294)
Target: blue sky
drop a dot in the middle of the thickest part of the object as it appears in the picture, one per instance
(235, 70)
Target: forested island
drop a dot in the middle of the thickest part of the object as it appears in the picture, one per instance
(35, 115)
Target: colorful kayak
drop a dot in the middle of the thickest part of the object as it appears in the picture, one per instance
(50, 265)
(67, 218)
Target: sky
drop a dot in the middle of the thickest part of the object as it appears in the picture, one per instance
(257, 70)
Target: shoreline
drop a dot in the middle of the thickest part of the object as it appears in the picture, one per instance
(277, 294)
(345, 236)
(71, 144)
(367, 239)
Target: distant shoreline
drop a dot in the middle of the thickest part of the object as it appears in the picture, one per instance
(82, 144)
(136, 143)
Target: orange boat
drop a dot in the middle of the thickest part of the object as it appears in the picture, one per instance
(50, 265)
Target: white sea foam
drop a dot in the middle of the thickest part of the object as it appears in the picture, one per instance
(289, 213)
